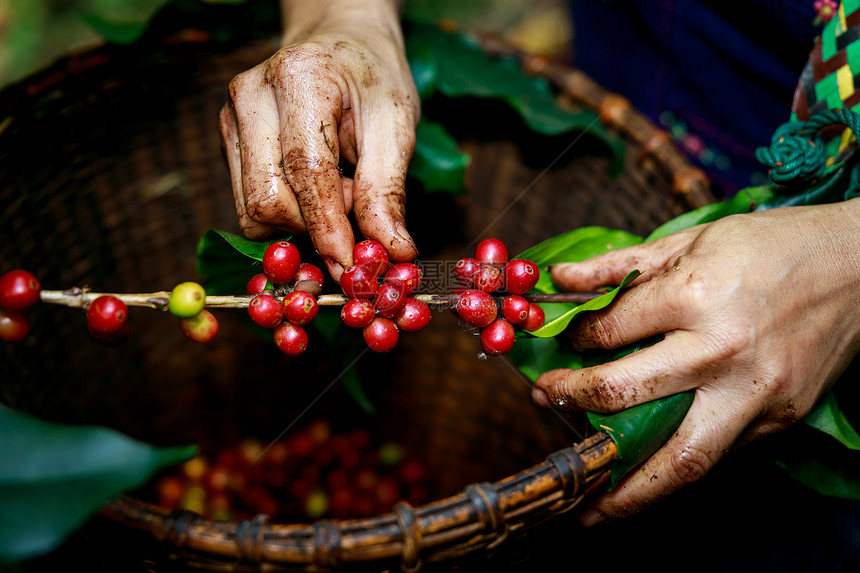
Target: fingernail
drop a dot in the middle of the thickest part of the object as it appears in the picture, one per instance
(335, 268)
(540, 398)
(404, 235)
(591, 517)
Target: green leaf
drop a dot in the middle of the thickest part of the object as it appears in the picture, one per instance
(827, 417)
(457, 66)
(424, 67)
(818, 461)
(828, 476)
(116, 32)
(352, 384)
(56, 476)
(228, 261)
(745, 201)
(556, 326)
(575, 246)
(437, 161)
(251, 249)
(641, 430)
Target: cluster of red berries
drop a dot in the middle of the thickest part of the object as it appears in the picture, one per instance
(19, 292)
(380, 296)
(311, 474)
(488, 272)
(284, 271)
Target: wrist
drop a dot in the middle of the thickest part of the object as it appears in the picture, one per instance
(302, 18)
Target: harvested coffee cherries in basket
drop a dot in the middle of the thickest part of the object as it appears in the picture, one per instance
(315, 472)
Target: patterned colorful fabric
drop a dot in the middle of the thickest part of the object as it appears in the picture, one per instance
(829, 77)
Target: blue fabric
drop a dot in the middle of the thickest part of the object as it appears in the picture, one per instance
(723, 71)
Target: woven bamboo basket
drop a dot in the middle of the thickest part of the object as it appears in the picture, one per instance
(112, 169)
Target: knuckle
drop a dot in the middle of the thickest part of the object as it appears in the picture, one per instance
(300, 166)
(252, 229)
(690, 464)
(300, 65)
(599, 331)
(626, 503)
(260, 207)
(696, 297)
(732, 340)
(239, 86)
(611, 393)
(560, 393)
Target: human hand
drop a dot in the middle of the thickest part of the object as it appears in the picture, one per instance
(339, 86)
(759, 315)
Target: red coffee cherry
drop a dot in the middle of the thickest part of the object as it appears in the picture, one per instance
(389, 300)
(536, 318)
(300, 307)
(515, 309)
(491, 251)
(466, 269)
(281, 260)
(498, 338)
(257, 284)
(308, 272)
(477, 308)
(521, 276)
(290, 338)
(202, 327)
(19, 290)
(414, 316)
(359, 281)
(488, 278)
(405, 275)
(266, 311)
(14, 326)
(381, 335)
(371, 254)
(107, 314)
(110, 339)
(358, 313)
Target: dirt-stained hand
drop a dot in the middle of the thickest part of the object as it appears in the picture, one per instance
(339, 87)
(759, 315)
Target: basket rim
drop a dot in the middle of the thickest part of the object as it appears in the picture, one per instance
(481, 516)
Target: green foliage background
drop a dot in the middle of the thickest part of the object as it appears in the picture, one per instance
(33, 33)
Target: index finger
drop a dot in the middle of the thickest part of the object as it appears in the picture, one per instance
(668, 302)
(309, 110)
(610, 268)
